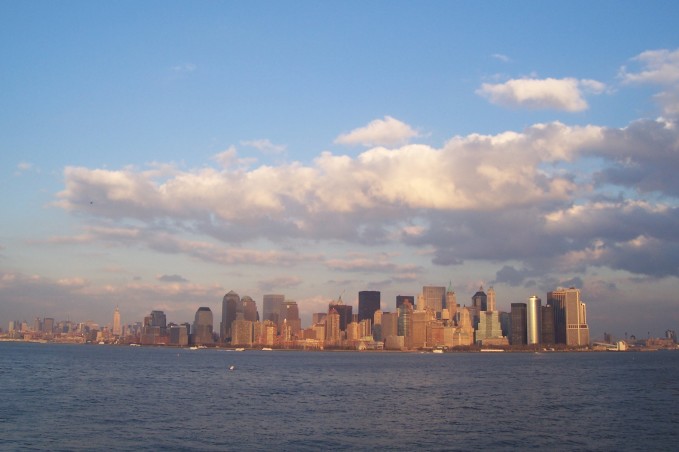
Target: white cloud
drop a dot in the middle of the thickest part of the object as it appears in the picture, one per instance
(659, 67)
(501, 57)
(184, 68)
(380, 132)
(265, 146)
(557, 94)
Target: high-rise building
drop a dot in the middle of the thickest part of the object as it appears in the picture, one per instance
(117, 327)
(489, 326)
(434, 298)
(570, 317)
(389, 324)
(534, 320)
(250, 312)
(401, 298)
(333, 333)
(230, 305)
(480, 300)
(272, 307)
(202, 327)
(490, 300)
(178, 335)
(547, 325)
(518, 324)
(48, 325)
(405, 322)
(451, 303)
(242, 332)
(344, 311)
(289, 314)
(368, 304)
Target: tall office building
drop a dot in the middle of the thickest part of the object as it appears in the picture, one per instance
(333, 334)
(389, 324)
(418, 339)
(405, 321)
(518, 315)
(242, 332)
(289, 314)
(434, 298)
(344, 311)
(534, 320)
(490, 300)
(402, 298)
(48, 325)
(117, 329)
(272, 307)
(489, 326)
(250, 312)
(547, 325)
(158, 319)
(202, 327)
(570, 317)
(230, 304)
(368, 304)
(451, 303)
(480, 300)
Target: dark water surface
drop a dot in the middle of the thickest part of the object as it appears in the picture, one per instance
(86, 397)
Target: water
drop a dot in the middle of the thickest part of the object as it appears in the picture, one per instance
(86, 397)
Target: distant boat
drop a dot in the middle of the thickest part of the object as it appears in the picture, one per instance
(193, 348)
(102, 343)
(491, 350)
(438, 350)
(232, 367)
(240, 349)
(266, 349)
(135, 345)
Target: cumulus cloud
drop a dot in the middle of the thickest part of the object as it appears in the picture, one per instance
(555, 94)
(380, 132)
(657, 67)
(516, 196)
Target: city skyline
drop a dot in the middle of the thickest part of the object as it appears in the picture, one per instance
(156, 158)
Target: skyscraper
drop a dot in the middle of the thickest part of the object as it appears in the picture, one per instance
(401, 298)
(272, 307)
(490, 300)
(202, 327)
(117, 330)
(451, 303)
(250, 312)
(534, 320)
(570, 317)
(434, 298)
(290, 314)
(518, 334)
(230, 304)
(344, 311)
(405, 322)
(368, 304)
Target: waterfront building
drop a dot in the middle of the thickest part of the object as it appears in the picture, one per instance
(479, 303)
(464, 333)
(48, 326)
(489, 327)
(242, 333)
(202, 327)
(570, 317)
(518, 324)
(230, 304)
(368, 304)
(547, 325)
(178, 335)
(534, 320)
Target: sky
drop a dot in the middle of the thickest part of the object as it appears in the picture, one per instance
(156, 155)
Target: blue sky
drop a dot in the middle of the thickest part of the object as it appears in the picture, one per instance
(158, 154)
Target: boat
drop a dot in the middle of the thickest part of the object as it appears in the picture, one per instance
(266, 349)
(492, 350)
(240, 349)
(438, 350)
